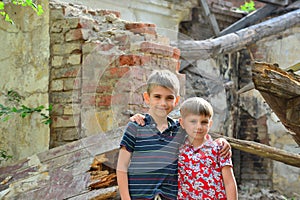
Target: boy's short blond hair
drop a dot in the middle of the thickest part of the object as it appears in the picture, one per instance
(163, 78)
(196, 106)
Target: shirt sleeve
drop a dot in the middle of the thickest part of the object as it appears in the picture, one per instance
(223, 161)
(129, 137)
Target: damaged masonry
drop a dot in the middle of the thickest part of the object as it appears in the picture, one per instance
(81, 161)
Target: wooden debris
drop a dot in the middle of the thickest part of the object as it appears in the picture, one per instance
(102, 176)
(263, 150)
(281, 91)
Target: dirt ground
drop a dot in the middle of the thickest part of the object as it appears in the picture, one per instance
(250, 192)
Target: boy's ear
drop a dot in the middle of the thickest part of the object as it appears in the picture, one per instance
(146, 97)
(177, 100)
(181, 122)
(210, 123)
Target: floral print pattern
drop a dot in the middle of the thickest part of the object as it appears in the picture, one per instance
(199, 172)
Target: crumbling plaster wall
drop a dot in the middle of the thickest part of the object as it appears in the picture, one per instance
(24, 57)
(165, 14)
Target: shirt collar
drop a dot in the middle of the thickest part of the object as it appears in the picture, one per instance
(207, 143)
(149, 120)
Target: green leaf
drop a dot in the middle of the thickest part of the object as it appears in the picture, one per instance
(40, 10)
(1, 5)
(5, 118)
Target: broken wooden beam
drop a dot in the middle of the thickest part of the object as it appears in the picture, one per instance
(210, 17)
(191, 50)
(276, 2)
(66, 172)
(250, 19)
(281, 91)
(262, 150)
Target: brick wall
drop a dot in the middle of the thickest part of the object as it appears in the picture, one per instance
(99, 66)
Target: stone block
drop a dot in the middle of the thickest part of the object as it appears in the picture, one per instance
(66, 48)
(74, 59)
(56, 85)
(65, 121)
(57, 61)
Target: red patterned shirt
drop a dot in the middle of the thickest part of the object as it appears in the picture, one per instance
(199, 171)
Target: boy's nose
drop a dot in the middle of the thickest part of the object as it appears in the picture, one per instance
(163, 102)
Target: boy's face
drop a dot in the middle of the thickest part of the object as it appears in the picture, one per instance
(196, 126)
(161, 101)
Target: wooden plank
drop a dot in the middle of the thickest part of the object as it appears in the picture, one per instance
(210, 17)
(62, 172)
(250, 19)
(276, 2)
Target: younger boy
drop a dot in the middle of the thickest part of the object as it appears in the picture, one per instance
(202, 172)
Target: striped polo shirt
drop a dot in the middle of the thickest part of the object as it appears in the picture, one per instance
(153, 165)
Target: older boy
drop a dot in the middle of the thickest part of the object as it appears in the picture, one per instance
(202, 172)
(147, 164)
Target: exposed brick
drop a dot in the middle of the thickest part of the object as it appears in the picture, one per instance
(67, 48)
(74, 34)
(73, 22)
(155, 48)
(87, 23)
(141, 28)
(104, 47)
(103, 88)
(118, 72)
(129, 60)
(71, 134)
(64, 121)
(61, 97)
(66, 72)
(57, 61)
(57, 85)
(71, 84)
(176, 53)
(123, 40)
(104, 100)
(107, 12)
(74, 59)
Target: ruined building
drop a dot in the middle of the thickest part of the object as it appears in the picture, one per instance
(91, 63)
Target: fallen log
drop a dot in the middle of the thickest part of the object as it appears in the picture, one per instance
(262, 150)
(192, 50)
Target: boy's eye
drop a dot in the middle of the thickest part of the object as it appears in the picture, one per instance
(170, 98)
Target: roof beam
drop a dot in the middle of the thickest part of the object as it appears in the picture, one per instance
(276, 2)
(250, 19)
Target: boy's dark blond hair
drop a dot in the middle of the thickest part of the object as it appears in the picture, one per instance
(163, 78)
(196, 106)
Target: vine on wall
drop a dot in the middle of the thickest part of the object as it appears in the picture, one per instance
(14, 107)
(25, 3)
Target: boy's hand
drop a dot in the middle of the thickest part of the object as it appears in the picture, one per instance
(138, 118)
(226, 150)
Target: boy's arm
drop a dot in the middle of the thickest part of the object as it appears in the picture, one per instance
(226, 148)
(122, 178)
(229, 183)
